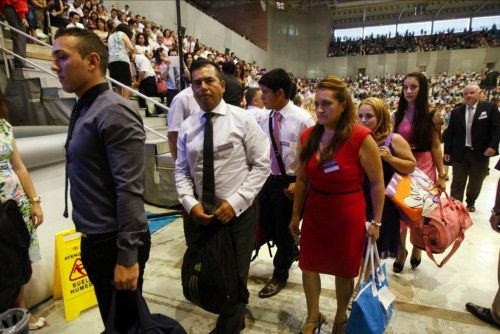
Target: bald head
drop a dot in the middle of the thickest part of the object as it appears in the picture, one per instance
(472, 93)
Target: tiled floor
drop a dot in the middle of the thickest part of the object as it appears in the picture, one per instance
(429, 299)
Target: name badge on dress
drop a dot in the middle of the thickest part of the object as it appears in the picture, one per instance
(331, 166)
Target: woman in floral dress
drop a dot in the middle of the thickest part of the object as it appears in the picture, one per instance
(16, 183)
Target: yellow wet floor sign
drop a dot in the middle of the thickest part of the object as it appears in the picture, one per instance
(71, 281)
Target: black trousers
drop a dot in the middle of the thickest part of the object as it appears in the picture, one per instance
(171, 93)
(275, 214)
(242, 230)
(99, 258)
(147, 86)
(18, 40)
(473, 170)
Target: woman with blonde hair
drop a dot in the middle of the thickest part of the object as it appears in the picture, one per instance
(396, 156)
(334, 157)
(309, 106)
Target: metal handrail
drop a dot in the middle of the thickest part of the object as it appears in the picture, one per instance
(25, 34)
(4, 49)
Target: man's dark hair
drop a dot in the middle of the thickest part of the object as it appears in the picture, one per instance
(229, 67)
(250, 94)
(277, 79)
(123, 27)
(73, 13)
(203, 62)
(88, 42)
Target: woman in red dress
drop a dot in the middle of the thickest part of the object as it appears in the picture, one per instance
(335, 155)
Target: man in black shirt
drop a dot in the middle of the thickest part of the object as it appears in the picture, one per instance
(233, 93)
(105, 166)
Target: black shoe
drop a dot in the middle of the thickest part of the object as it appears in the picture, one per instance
(272, 288)
(482, 313)
(471, 208)
(398, 267)
(414, 262)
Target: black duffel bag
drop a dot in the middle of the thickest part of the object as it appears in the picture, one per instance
(209, 274)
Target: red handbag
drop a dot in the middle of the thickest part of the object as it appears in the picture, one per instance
(440, 228)
(161, 87)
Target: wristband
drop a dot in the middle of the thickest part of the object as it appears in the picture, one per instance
(373, 222)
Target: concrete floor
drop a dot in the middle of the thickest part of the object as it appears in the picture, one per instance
(429, 299)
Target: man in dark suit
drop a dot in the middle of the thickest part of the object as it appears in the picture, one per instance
(471, 138)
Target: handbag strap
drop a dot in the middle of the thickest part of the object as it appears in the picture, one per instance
(388, 139)
(455, 247)
(277, 153)
(457, 242)
(361, 275)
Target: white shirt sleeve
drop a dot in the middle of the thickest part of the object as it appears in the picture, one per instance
(257, 148)
(183, 180)
(175, 115)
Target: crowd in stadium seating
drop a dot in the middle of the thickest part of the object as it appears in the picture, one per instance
(147, 37)
(445, 89)
(409, 42)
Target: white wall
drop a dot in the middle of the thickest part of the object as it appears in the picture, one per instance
(209, 31)
(305, 54)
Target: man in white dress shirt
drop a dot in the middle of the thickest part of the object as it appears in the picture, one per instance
(145, 80)
(255, 105)
(183, 105)
(74, 18)
(241, 165)
(284, 125)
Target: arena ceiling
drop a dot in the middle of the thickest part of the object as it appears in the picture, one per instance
(348, 13)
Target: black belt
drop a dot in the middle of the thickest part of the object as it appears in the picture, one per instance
(336, 193)
(98, 236)
(288, 178)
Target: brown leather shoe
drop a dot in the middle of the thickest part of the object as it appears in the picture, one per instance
(272, 287)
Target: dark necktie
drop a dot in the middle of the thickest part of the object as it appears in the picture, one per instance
(72, 121)
(208, 181)
(275, 167)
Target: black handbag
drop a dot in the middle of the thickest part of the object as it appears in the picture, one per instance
(147, 323)
(209, 275)
(15, 268)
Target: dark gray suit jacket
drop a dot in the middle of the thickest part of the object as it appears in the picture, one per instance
(485, 131)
